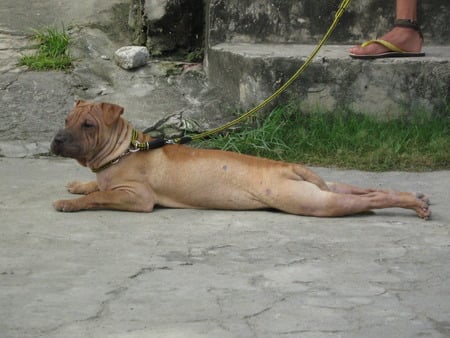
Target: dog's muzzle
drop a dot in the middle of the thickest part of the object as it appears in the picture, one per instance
(61, 143)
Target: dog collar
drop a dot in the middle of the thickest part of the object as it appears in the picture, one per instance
(135, 146)
(153, 144)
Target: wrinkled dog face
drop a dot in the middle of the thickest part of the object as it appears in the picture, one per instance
(79, 138)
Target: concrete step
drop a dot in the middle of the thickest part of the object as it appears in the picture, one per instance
(247, 73)
(305, 21)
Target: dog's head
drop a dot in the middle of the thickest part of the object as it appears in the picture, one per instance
(86, 129)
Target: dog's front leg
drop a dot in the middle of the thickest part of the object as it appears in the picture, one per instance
(82, 188)
(111, 199)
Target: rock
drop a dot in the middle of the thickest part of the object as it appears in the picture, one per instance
(175, 125)
(130, 57)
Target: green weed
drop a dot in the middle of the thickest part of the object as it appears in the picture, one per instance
(52, 51)
(344, 139)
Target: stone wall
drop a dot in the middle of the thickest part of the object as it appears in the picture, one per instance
(254, 46)
(305, 21)
(168, 26)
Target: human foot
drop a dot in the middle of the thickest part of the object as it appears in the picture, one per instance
(405, 39)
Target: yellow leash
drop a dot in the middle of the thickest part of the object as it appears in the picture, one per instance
(342, 7)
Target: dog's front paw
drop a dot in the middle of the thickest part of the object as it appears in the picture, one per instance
(65, 206)
(81, 188)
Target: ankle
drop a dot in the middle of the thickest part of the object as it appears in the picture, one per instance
(409, 24)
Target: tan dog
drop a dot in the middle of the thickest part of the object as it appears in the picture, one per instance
(182, 177)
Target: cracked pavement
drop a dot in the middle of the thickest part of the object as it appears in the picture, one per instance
(191, 273)
(208, 273)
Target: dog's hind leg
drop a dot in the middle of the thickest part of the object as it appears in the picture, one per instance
(304, 198)
(341, 188)
(310, 176)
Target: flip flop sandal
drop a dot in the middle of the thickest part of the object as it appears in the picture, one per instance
(394, 51)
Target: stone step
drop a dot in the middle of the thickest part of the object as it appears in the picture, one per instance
(247, 73)
(305, 21)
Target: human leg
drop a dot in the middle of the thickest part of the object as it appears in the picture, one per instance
(405, 35)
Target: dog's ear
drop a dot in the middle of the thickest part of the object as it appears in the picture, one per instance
(111, 112)
(79, 102)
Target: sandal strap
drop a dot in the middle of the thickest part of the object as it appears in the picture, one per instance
(408, 23)
(391, 47)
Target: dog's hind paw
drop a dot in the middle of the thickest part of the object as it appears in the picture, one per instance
(423, 210)
(421, 196)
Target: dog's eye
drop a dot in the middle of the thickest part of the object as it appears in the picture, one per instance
(88, 124)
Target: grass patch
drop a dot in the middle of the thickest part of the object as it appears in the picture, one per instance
(52, 51)
(344, 139)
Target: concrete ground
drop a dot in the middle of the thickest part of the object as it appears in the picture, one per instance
(191, 273)
(207, 273)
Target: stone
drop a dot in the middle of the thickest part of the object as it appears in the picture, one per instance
(130, 57)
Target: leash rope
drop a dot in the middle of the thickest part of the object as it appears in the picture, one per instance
(340, 11)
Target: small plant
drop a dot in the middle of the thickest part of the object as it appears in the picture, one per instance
(52, 52)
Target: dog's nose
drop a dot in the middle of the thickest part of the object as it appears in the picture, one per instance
(60, 138)
(58, 142)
